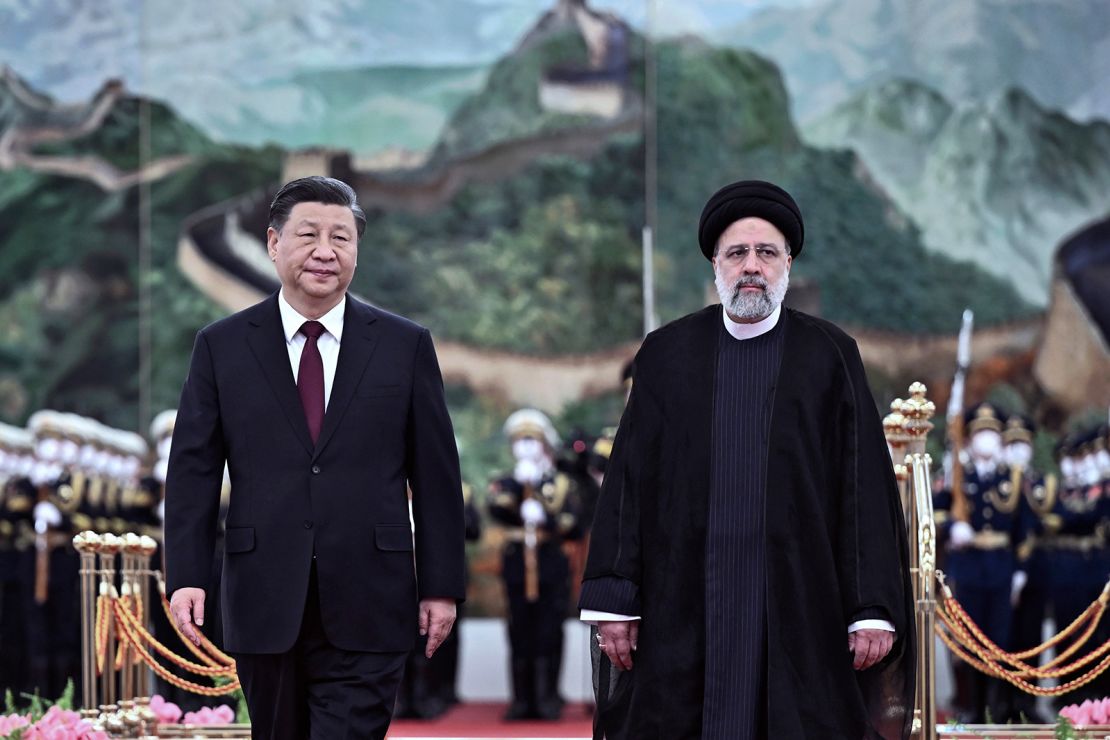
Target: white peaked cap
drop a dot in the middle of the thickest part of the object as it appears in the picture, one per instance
(531, 423)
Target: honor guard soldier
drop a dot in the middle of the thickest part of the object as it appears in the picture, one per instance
(137, 501)
(54, 629)
(115, 479)
(1078, 557)
(91, 479)
(161, 437)
(17, 542)
(427, 689)
(1032, 607)
(540, 509)
(445, 663)
(83, 475)
(984, 523)
(151, 522)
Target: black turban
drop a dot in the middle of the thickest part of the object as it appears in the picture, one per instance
(750, 198)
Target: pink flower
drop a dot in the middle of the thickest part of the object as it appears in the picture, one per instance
(55, 724)
(1080, 715)
(12, 722)
(221, 715)
(167, 712)
(202, 716)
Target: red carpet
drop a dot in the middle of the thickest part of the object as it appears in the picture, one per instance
(484, 721)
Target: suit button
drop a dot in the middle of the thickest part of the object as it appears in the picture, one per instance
(315, 469)
(307, 524)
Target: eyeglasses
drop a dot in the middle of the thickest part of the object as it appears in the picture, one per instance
(766, 253)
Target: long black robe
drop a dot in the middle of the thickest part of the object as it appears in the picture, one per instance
(836, 548)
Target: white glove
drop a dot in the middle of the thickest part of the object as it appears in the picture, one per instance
(960, 534)
(1017, 583)
(160, 469)
(48, 514)
(42, 473)
(527, 472)
(531, 511)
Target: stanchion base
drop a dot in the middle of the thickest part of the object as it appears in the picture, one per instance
(207, 731)
(1032, 732)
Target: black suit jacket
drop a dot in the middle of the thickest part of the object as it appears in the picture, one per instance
(344, 499)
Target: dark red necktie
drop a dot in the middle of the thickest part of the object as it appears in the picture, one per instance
(310, 378)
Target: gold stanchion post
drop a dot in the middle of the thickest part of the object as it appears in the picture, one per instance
(896, 439)
(129, 588)
(916, 412)
(87, 543)
(926, 603)
(110, 545)
(144, 680)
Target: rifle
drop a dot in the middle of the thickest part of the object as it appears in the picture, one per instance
(955, 427)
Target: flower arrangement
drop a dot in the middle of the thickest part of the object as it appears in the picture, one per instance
(169, 713)
(55, 724)
(1090, 712)
(60, 722)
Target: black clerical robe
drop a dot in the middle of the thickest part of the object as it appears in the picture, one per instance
(834, 538)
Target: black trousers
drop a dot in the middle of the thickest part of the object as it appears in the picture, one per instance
(319, 691)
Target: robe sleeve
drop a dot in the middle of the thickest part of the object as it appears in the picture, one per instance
(872, 553)
(611, 581)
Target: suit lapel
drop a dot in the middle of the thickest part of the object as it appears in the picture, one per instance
(360, 338)
(267, 341)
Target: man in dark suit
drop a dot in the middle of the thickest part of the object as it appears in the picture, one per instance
(324, 410)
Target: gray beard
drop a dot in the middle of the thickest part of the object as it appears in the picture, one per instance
(751, 305)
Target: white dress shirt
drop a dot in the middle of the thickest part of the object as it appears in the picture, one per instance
(328, 343)
(740, 332)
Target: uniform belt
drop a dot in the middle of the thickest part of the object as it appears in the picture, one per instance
(516, 534)
(1075, 542)
(991, 540)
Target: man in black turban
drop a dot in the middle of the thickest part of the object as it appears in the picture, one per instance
(748, 568)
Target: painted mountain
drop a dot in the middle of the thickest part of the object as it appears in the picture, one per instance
(972, 50)
(1000, 183)
(75, 190)
(522, 233)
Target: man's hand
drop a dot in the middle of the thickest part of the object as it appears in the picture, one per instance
(618, 641)
(869, 647)
(436, 618)
(187, 607)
